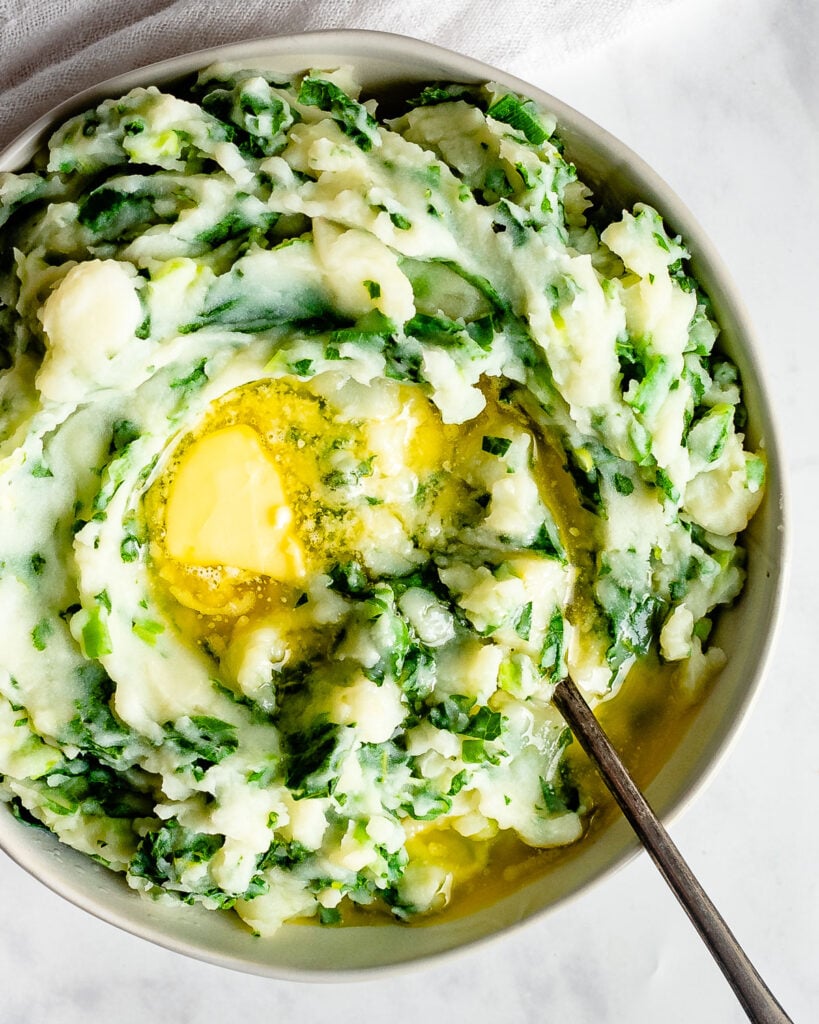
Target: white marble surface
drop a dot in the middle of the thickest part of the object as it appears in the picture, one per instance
(722, 98)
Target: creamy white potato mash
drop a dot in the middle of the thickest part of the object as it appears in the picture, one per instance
(328, 445)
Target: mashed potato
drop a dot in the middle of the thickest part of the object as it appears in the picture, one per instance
(327, 447)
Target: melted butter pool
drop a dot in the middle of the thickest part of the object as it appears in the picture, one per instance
(284, 479)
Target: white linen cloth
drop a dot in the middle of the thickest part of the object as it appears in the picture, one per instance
(51, 49)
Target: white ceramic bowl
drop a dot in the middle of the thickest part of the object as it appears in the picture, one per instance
(383, 62)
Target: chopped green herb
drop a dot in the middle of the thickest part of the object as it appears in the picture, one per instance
(400, 221)
(551, 653)
(623, 484)
(123, 433)
(496, 445)
(523, 623)
(37, 563)
(520, 114)
(147, 630)
(40, 634)
(130, 548)
(196, 378)
(755, 473)
(96, 640)
(353, 118)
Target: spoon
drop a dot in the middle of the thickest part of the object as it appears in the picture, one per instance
(756, 998)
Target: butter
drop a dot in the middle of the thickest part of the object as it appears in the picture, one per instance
(227, 506)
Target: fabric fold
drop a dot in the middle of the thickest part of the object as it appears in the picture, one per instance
(52, 49)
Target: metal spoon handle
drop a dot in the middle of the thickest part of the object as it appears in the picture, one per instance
(752, 992)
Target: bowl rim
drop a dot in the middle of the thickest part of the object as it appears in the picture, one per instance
(358, 45)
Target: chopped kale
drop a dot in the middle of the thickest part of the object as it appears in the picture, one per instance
(520, 114)
(165, 854)
(313, 757)
(351, 116)
(201, 741)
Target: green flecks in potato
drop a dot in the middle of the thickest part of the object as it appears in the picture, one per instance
(329, 445)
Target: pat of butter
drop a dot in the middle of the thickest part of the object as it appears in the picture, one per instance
(227, 506)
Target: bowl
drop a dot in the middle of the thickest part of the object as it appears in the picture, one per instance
(387, 63)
